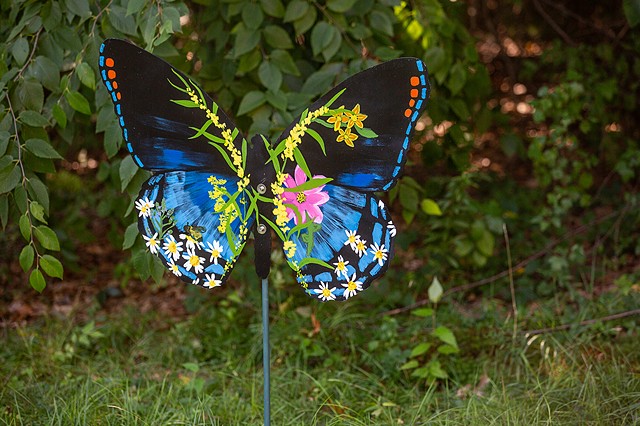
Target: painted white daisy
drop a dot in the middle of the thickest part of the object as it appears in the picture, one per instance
(352, 286)
(210, 281)
(190, 241)
(352, 239)
(392, 229)
(379, 253)
(172, 248)
(381, 204)
(175, 269)
(144, 206)
(324, 292)
(360, 247)
(341, 267)
(193, 261)
(215, 250)
(196, 281)
(152, 243)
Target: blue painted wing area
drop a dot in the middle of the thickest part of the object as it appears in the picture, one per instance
(390, 98)
(178, 221)
(355, 239)
(153, 109)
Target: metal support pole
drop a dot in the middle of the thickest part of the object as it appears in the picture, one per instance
(266, 352)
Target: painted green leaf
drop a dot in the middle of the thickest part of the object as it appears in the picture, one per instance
(51, 266)
(36, 279)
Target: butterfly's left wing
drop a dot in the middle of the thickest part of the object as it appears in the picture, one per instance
(195, 233)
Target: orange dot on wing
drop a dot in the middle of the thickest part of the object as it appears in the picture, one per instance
(414, 93)
(115, 84)
(407, 112)
(111, 74)
(109, 62)
(412, 102)
(415, 81)
(118, 95)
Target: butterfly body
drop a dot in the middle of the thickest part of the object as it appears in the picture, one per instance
(313, 187)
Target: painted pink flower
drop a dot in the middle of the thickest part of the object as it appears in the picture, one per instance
(307, 201)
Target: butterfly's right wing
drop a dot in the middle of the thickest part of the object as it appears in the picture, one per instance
(186, 220)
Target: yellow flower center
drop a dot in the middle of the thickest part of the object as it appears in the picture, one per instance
(360, 246)
(172, 247)
(215, 253)
(379, 254)
(352, 238)
(340, 266)
(326, 292)
(194, 260)
(144, 208)
(153, 242)
(301, 197)
(351, 286)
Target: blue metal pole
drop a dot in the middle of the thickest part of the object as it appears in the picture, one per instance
(266, 352)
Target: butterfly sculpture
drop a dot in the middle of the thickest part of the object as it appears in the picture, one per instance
(314, 187)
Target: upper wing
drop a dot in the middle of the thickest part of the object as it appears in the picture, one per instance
(193, 224)
(358, 133)
(168, 122)
(351, 246)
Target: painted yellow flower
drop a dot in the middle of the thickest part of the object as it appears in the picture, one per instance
(347, 137)
(355, 118)
(337, 118)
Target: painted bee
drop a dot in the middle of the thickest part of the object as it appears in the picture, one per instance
(194, 232)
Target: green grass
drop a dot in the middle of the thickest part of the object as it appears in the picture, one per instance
(206, 370)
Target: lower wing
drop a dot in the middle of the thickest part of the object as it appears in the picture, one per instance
(188, 220)
(352, 246)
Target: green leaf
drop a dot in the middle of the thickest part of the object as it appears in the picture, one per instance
(303, 24)
(4, 141)
(9, 178)
(446, 336)
(435, 290)
(20, 199)
(430, 207)
(447, 349)
(4, 210)
(321, 37)
(278, 100)
(381, 22)
(33, 119)
(26, 257)
(191, 366)
(86, 75)
(340, 6)
(46, 72)
(251, 101)
(79, 8)
(31, 94)
(295, 10)
(41, 148)
(318, 82)
(135, 6)
(422, 312)
(78, 102)
(121, 22)
(273, 8)
(128, 169)
(130, 235)
(285, 62)
(112, 139)
(36, 279)
(410, 365)
(252, 15)
(20, 50)
(59, 115)
(37, 211)
(246, 40)
(270, 76)
(47, 237)
(276, 37)
(435, 370)
(486, 243)
(632, 11)
(38, 192)
(25, 227)
(457, 78)
(51, 266)
(420, 349)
